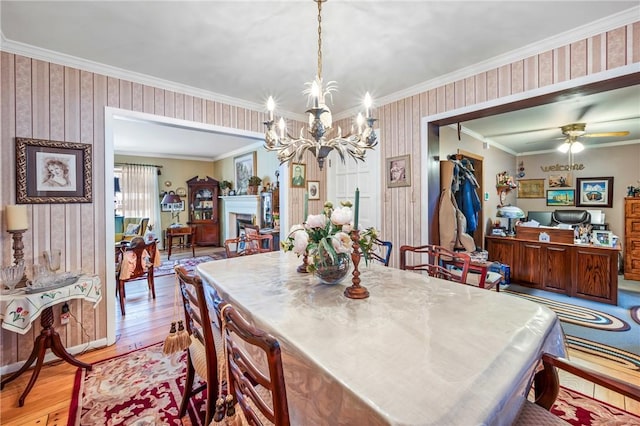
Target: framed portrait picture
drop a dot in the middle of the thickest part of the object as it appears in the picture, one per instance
(298, 175)
(244, 167)
(561, 197)
(602, 238)
(313, 188)
(398, 171)
(52, 172)
(595, 192)
(531, 188)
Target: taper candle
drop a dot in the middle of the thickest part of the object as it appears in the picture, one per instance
(17, 218)
(306, 206)
(356, 208)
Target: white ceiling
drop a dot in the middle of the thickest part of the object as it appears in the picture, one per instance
(240, 52)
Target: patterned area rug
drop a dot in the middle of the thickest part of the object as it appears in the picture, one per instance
(189, 264)
(600, 329)
(143, 387)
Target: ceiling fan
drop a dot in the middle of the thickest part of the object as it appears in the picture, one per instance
(577, 130)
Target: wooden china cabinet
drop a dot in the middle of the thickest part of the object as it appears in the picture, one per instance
(203, 210)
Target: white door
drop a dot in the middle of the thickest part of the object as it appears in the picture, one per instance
(343, 179)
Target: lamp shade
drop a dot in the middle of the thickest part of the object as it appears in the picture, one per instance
(170, 199)
(511, 212)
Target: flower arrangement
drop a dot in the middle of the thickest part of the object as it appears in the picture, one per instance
(325, 236)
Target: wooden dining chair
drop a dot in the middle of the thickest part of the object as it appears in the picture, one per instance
(439, 262)
(546, 384)
(205, 351)
(260, 243)
(382, 252)
(135, 261)
(262, 398)
(235, 247)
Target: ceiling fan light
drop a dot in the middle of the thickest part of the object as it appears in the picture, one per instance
(564, 148)
(577, 147)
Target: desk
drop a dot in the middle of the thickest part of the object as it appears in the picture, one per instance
(419, 350)
(181, 232)
(18, 311)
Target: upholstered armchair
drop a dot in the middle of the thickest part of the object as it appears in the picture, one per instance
(133, 227)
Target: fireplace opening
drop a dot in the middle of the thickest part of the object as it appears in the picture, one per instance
(241, 221)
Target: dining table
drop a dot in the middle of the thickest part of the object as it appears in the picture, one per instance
(418, 351)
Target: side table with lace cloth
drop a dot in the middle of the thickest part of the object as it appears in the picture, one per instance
(19, 310)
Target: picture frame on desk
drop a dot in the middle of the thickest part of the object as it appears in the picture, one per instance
(594, 192)
(602, 238)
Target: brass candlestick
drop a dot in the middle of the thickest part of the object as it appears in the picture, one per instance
(305, 261)
(18, 254)
(356, 291)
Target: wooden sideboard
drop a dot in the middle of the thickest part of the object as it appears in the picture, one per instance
(584, 271)
(632, 238)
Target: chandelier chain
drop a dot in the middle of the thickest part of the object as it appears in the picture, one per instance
(319, 38)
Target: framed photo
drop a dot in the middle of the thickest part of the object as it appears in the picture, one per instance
(52, 172)
(561, 197)
(298, 175)
(245, 167)
(398, 171)
(595, 192)
(531, 188)
(561, 180)
(602, 238)
(313, 188)
(171, 207)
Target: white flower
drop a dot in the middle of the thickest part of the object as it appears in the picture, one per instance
(316, 221)
(347, 227)
(341, 216)
(300, 242)
(295, 228)
(342, 243)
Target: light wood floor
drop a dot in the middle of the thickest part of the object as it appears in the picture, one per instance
(147, 322)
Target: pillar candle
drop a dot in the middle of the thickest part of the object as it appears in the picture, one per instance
(17, 218)
(306, 206)
(356, 208)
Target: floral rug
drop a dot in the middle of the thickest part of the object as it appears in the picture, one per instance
(189, 264)
(143, 387)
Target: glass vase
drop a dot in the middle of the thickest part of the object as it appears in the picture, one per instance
(330, 271)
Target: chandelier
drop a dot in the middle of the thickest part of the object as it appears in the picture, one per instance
(322, 138)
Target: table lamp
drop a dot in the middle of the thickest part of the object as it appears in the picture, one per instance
(17, 224)
(511, 212)
(173, 199)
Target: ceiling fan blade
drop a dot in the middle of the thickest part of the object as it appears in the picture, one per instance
(604, 134)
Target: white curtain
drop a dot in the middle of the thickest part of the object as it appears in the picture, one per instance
(140, 194)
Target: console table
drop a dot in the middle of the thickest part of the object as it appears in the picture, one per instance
(580, 270)
(19, 310)
(181, 232)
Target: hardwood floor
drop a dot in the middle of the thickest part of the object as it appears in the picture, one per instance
(148, 321)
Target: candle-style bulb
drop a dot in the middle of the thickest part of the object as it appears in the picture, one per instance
(271, 106)
(367, 104)
(315, 93)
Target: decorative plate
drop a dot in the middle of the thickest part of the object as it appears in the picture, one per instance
(181, 192)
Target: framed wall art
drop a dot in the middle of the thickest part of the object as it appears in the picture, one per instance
(560, 180)
(398, 171)
(313, 188)
(594, 192)
(172, 207)
(298, 175)
(50, 172)
(244, 167)
(561, 197)
(531, 188)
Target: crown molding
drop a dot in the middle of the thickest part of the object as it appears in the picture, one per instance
(600, 26)
(63, 59)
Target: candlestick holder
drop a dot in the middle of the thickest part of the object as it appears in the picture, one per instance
(305, 261)
(356, 291)
(18, 254)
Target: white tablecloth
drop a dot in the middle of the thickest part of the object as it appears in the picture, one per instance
(418, 351)
(18, 311)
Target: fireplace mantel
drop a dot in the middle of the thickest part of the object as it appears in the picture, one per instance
(235, 205)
